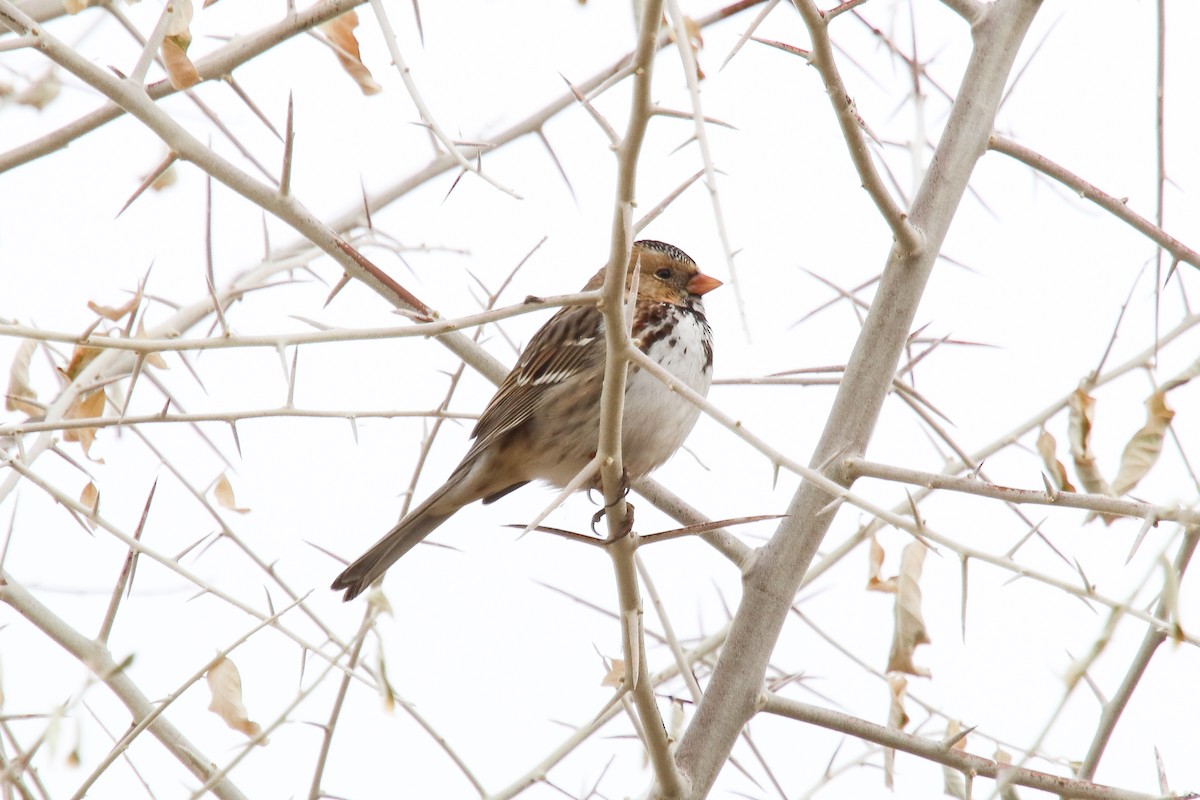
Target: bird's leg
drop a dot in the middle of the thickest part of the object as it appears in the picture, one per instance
(599, 515)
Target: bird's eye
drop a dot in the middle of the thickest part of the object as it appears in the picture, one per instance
(663, 273)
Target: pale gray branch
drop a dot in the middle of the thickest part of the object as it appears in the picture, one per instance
(622, 547)
(215, 66)
(1116, 206)
(732, 695)
(907, 236)
(99, 660)
(1110, 713)
(1097, 503)
(941, 754)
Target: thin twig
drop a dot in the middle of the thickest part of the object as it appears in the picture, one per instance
(908, 238)
(940, 754)
(1115, 206)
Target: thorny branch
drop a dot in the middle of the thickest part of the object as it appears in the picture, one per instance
(738, 553)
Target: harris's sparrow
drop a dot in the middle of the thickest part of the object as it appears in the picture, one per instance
(544, 420)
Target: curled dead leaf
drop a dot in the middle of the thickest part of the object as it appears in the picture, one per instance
(81, 356)
(910, 630)
(340, 32)
(615, 675)
(1047, 448)
(1169, 597)
(225, 683)
(114, 313)
(1080, 421)
(181, 72)
(152, 358)
(1144, 447)
(1192, 371)
(20, 391)
(875, 582)
(223, 492)
(897, 689)
(86, 406)
(90, 499)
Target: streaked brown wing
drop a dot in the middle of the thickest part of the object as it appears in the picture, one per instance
(572, 341)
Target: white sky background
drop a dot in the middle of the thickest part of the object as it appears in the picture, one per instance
(491, 657)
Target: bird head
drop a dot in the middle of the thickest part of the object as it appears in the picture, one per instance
(666, 274)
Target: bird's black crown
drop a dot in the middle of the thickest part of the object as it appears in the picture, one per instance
(669, 250)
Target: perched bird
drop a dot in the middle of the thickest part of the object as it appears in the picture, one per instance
(544, 421)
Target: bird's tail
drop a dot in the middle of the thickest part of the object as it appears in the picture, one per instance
(405, 536)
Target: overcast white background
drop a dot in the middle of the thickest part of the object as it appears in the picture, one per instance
(494, 659)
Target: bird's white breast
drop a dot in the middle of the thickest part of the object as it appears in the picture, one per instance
(657, 419)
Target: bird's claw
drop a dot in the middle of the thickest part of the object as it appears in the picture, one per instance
(626, 527)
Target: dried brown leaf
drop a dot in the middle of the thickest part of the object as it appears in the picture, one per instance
(223, 492)
(87, 406)
(41, 92)
(616, 674)
(20, 391)
(1169, 597)
(340, 31)
(90, 499)
(181, 72)
(897, 689)
(1144, 448)
(81, 356)
(152, 358)
(225, 683)
(1047, 448)
(910, 624)
(875, 583)
(1192, 371)
(1080, 421)
(118, 312)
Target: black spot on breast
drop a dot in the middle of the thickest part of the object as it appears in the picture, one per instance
(654, 323)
